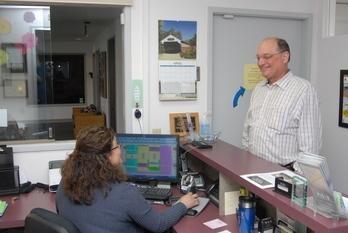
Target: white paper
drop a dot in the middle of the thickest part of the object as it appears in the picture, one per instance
(216, 223)
(267, 180)
(231, 202)
(177, 71)
(3, 117)
(54, 176)
(345, 201)
(224, 231)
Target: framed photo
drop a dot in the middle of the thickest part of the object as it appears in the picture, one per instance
(15, 88)
(343, 109)
(179, 125)
(16, 61)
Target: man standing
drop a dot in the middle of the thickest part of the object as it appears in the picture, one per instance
(283, 117)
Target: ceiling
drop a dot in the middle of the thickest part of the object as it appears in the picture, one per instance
(68, 22)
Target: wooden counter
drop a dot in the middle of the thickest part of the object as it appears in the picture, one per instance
(232, 162)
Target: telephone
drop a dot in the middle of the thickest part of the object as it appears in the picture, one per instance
(191, 181)
(198, 178)
(201, 144)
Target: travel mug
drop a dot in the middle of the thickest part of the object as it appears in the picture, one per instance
(246, 214)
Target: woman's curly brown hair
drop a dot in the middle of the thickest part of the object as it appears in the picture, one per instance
(88, 167)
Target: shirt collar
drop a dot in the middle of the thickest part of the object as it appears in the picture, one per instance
(282, 83)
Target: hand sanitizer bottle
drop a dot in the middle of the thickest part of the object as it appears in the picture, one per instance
(205, 125)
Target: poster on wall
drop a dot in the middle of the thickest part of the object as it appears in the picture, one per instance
(177, 69)
(343, 110)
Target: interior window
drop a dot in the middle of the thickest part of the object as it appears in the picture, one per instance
(48, 67)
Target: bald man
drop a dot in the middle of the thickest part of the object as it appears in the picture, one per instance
(283, 117)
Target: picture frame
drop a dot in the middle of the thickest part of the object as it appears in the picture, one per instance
(16, 57)
(343, 99)
(179, 125)
(14, 88)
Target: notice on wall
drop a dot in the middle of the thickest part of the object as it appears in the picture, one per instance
(251, 76)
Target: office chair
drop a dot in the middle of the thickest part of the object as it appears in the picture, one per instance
(41, 220)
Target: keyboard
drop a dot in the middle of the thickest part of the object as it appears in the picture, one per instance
(154, 193)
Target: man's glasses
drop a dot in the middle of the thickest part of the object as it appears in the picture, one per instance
(267, 56)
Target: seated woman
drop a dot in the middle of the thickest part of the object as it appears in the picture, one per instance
(95, 196)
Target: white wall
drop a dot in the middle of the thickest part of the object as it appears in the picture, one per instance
(33, 159)
(333, 57)
(341, 19)
(156, 113)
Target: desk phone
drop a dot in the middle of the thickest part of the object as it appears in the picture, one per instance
(201, 145)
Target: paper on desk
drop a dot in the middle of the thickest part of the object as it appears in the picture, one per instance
(54, 176)
(224, 231)
(267, 180)
(216, 223)
(345, 201)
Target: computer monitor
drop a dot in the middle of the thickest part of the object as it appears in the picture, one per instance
(150, 157)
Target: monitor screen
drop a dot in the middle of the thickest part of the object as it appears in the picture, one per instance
(150, 157)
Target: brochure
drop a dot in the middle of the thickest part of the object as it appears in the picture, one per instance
(267, 180)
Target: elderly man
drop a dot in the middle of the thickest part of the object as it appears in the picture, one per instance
(283, 117)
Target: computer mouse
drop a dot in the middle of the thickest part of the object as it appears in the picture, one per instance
(191, 212)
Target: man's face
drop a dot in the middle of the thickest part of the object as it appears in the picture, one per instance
(272, 62)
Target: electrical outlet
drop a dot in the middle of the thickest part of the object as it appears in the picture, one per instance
(156, 131)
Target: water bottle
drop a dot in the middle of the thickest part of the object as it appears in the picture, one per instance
(205, 125)
(246, 214)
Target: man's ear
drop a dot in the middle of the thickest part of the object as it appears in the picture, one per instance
(286, 57)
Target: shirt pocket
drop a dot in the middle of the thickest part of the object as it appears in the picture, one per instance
(277, 119)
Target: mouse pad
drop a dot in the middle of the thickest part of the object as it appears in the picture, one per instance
(203, 201)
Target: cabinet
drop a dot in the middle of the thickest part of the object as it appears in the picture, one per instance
(86, 119)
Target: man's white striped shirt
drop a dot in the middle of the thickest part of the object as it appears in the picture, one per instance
(283, 119)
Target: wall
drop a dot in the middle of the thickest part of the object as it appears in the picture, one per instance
(156, 113)
(33, 159)
(341, 27)
(101, 45)
(332, 57)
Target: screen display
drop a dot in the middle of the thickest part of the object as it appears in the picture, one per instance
(150, 157)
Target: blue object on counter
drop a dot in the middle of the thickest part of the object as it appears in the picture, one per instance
(246, 214)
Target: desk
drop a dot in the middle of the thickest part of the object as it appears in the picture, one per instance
(231, 162)
(16, 212)
(18, 209)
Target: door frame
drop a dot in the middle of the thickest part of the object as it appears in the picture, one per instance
(213, 11)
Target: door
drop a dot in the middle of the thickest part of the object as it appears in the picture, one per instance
(112, 83)
(235, 40)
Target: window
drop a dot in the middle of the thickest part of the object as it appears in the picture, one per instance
(46, 67)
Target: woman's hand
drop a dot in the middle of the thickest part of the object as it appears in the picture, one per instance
(190, 200)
